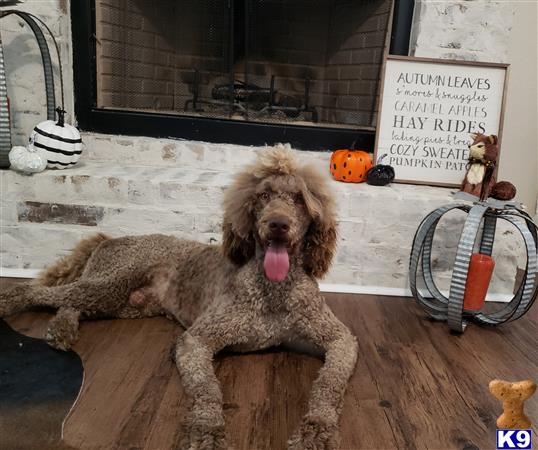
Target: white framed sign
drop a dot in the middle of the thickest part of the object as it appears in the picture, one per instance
(429, 107)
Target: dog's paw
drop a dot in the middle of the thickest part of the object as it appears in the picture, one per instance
(204, 437)
(314, 434)
(60, 341)
(62, 331)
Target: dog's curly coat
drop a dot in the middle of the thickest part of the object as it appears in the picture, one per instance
(221, 295)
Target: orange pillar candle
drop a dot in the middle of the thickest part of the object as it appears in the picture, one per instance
(478, 278)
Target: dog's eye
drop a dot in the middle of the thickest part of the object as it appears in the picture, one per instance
(264, 196)
(298, 199)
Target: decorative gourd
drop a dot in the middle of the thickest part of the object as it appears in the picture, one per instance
(350, 166)
(28, 159)
(503, 190)
(60, 142)
(380, 174)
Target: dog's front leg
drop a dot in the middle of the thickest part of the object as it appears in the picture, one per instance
(319, 428)
(205, 425)
(194, 358)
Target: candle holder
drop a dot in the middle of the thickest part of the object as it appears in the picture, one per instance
(451, 308)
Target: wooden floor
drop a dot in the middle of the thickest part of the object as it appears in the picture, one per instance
(415, 385)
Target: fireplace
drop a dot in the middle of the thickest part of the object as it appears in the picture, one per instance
(246, 71)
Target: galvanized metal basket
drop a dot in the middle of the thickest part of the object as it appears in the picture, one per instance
(450, 308)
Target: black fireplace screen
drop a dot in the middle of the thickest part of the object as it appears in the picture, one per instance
(304, 62)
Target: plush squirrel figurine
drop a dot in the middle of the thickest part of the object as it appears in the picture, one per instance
(480, 177)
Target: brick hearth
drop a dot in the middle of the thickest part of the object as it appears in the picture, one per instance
(127, 185)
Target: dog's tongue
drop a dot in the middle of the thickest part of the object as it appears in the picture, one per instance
(276, 262)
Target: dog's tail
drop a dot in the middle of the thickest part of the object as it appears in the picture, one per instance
(39, 292)
(69, 268)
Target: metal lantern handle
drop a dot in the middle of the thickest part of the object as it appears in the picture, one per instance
(5, 133)
(527, 291)
(436, 305)
(456, 321)
(30, 19)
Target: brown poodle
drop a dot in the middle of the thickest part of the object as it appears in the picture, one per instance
(256, 290)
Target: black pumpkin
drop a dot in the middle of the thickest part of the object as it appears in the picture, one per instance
(380, 174)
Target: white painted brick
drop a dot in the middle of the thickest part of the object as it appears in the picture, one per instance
(344, 275)
(77, 185)
(208, 224)
(462, 29)
(192, 198)
(375, 238)
(8, 212)
(389, 233)
(122, 221)
(19, 244)
(351, 231)
(140, 191)
(176, 153)
(377, 224)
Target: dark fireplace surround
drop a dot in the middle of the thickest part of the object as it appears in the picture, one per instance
(249, 72)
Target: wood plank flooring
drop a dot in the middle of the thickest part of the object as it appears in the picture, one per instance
(416, 386)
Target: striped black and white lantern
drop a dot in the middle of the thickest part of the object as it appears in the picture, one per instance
(60, 142)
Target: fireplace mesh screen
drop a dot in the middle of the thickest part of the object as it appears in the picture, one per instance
(314, 62)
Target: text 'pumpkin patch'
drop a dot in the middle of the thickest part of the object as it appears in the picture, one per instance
(350, 166)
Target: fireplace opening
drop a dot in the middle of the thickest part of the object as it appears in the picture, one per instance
(249, 72)
(302, 62)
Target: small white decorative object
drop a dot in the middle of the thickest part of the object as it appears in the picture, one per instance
(27, 159)
(60, 142)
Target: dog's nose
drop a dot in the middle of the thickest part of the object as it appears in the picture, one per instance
(279, 226)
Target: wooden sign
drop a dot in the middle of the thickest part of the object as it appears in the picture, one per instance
(428, 108)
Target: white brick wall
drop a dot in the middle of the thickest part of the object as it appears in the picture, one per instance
(151, 192)
(474, 30)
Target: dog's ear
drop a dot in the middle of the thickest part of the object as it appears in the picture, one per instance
(320, 239)
(236, 248)
(238, 243)
(320, 248)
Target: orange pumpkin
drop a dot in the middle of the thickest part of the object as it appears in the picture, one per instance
(350, 166)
